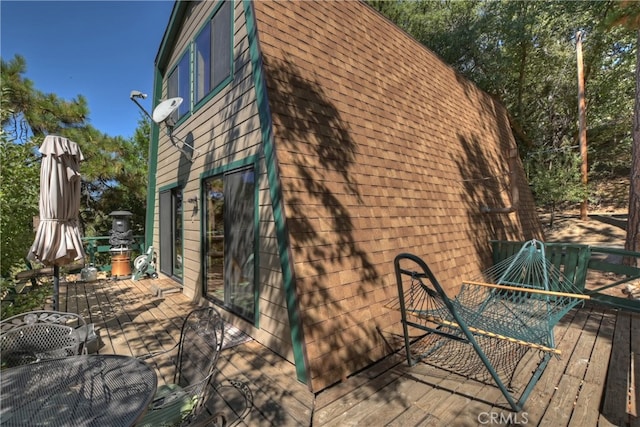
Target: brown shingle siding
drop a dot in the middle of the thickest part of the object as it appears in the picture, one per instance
(382, 149)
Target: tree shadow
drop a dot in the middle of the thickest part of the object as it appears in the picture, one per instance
(316, 158)
(339, 275)
(619, 221)
(495, 190)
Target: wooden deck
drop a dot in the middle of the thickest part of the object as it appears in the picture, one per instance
(586, 387)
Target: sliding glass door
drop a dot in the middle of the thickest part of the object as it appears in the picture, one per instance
(230, 237)
(171, 232)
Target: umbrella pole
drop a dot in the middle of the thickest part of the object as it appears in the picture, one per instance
(56, 286)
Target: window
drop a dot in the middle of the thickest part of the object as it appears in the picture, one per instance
(203, 63)
(178, 85)
(213, 52)
(229, 248)
(171, 232)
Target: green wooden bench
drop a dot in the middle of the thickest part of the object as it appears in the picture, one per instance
(576, 260)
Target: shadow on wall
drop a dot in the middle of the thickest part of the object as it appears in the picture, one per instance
(185, 162)
(485, 184)
(317, 155)
(220, 144)
(489, 180)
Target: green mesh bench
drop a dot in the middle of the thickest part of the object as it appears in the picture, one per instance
(495, 319)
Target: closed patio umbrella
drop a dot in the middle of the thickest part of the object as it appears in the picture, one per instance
(58, 241)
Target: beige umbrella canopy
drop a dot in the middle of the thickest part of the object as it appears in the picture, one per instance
(58, 241)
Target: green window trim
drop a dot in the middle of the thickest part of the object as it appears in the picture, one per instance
(209, 29)
(168, 263)
(153, 167)
(265, 122)
(250, 161)
(191, 103)
(181, 88)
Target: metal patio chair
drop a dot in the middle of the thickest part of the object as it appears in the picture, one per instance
(38, 335)
(181, 402)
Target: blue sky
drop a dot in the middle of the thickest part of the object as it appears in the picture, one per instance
(99, 49)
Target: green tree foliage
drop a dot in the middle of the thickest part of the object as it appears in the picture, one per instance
(523, 52)
(114, 177)
(34, 113)
(556, 179)
(114, 172)
(18, 202)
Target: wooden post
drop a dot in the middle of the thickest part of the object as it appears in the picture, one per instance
(582, 123)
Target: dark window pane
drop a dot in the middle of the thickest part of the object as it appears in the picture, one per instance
(177, 233)
(166, 241)
(178, 85)
(203, 63)
(214, 257)
(221, 44)
(183, 79)
(171, 232)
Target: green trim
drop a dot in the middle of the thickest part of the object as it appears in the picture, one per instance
(295, 324)
(153, 165)
(247, 161)
(188, 53)
(220, 171)
(256, 245)
(182, 217)
(181, 277)
(170, 34)
(210, 17)
(162, 57)
(213, 93)
(203, 237)
(216, 90)
(170, 187)
(168, 39)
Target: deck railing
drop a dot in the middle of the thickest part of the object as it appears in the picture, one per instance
(17, 296)
(577, 262)
(98, 250)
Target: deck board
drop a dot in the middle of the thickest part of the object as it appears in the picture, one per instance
(583, 388)
(413, 396)
(635, 348)
(587, 408)
(341, 401)
(614, 407)
(566, 336)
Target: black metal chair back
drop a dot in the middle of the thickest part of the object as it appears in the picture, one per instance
(199, 346)
(198, 352)
(38, 335)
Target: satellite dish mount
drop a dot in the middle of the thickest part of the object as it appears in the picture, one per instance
(163, 113)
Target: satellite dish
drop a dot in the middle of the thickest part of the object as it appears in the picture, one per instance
(165, 108)
(162, 113)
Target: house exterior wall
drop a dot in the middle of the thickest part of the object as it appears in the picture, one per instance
(225, 131)
(365, 145)
(382, 148)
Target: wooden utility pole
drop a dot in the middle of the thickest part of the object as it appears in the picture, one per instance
(582, 123)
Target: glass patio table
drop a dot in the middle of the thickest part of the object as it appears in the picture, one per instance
(95, 390)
